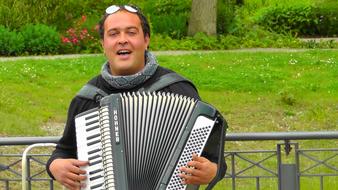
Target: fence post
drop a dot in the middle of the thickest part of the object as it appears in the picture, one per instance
(288, 177)
(25, 162)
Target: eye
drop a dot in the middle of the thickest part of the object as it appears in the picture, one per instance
(113, 34)
(132, 33)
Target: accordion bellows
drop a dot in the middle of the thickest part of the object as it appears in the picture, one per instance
(140, 140)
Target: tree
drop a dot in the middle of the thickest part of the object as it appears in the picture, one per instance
(203, 17)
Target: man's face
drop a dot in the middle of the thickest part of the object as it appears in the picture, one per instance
(124, 43)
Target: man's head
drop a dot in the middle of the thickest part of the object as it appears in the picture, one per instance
(125, 34)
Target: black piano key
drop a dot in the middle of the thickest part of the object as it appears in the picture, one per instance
(93, 157)
(96, 186)
(94, 163)
(94, 151)
(95, 171)
(93, 142)
(92, 128)
(92, 122)
(93, 136)
(95, 177)
(91, 117)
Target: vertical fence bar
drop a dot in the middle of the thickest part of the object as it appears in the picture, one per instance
(7, 185)
(257, 183)
(51, 185)
(28, 177)
(297, 161)
(233, 172)
(279, 162)
(321, 183)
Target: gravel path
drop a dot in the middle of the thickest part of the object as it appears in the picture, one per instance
(179, 52)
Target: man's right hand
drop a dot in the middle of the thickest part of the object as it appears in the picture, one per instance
(68, 172)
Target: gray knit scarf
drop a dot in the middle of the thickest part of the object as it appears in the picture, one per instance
(130, 81)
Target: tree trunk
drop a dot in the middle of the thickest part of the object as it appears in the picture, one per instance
(203, 17)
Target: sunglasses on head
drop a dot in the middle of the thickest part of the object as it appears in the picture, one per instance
(114, 8)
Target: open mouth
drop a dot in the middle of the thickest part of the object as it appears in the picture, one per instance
(123, 52)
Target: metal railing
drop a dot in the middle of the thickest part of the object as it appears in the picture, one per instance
(240, 163)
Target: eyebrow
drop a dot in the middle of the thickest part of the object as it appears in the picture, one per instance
(127, 28)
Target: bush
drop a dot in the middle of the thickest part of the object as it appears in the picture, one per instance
(327, 16)
(168, 17)
(172, 25)
(11, 43)
(225, 15)
(300, 19)
(81, 38)
(40, 39)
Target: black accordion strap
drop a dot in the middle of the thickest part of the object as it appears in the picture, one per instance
(166, 80)
(91, 92)
(224, 126)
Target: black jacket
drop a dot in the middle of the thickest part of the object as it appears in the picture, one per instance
(66, 147)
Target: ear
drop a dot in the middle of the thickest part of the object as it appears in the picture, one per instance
(147, 41)
(102, 43)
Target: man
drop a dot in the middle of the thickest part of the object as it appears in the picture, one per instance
(125, 37)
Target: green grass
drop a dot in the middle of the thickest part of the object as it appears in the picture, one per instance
(255, 91)
(262, 91)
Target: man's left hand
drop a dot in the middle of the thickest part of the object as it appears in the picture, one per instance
(199, 171)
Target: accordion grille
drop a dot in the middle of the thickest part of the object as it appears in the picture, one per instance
(194, 145)
(152, 125)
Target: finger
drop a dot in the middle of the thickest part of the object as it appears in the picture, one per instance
(195, 164)
(75, 177)
(76, 170)
(190, 171)
(72, 184)
(191, 179)
(79, 162)
(199, 158)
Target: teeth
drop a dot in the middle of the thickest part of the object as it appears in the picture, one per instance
(123, 52)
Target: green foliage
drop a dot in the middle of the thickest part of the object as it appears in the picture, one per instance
(172, 25)
(168, 17)
(254, 37)
(327, 16)
(157, 7)
(257, 23)
(14, 14)
(300, 19)
(225, 15)
(11, 43)
(40, 39)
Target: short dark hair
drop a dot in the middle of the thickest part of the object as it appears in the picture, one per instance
(143, 19)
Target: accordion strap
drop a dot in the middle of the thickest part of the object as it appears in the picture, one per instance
(164, 81)
(223, 125)
(92, 92)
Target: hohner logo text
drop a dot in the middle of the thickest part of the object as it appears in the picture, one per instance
(116, 126)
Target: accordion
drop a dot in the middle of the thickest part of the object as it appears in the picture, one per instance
(140, 140)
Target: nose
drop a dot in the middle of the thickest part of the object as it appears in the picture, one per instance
(123, 39)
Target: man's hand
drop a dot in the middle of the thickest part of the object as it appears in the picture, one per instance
(199, 171)
(68, 172)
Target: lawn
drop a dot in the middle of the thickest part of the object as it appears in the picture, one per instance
(255, 91)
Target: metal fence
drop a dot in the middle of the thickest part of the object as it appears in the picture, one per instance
(27, 170)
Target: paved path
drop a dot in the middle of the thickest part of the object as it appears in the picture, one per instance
(178, 52)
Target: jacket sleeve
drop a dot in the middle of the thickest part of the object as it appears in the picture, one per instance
(66, 147)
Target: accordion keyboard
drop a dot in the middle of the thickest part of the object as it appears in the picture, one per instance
(89, 148)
